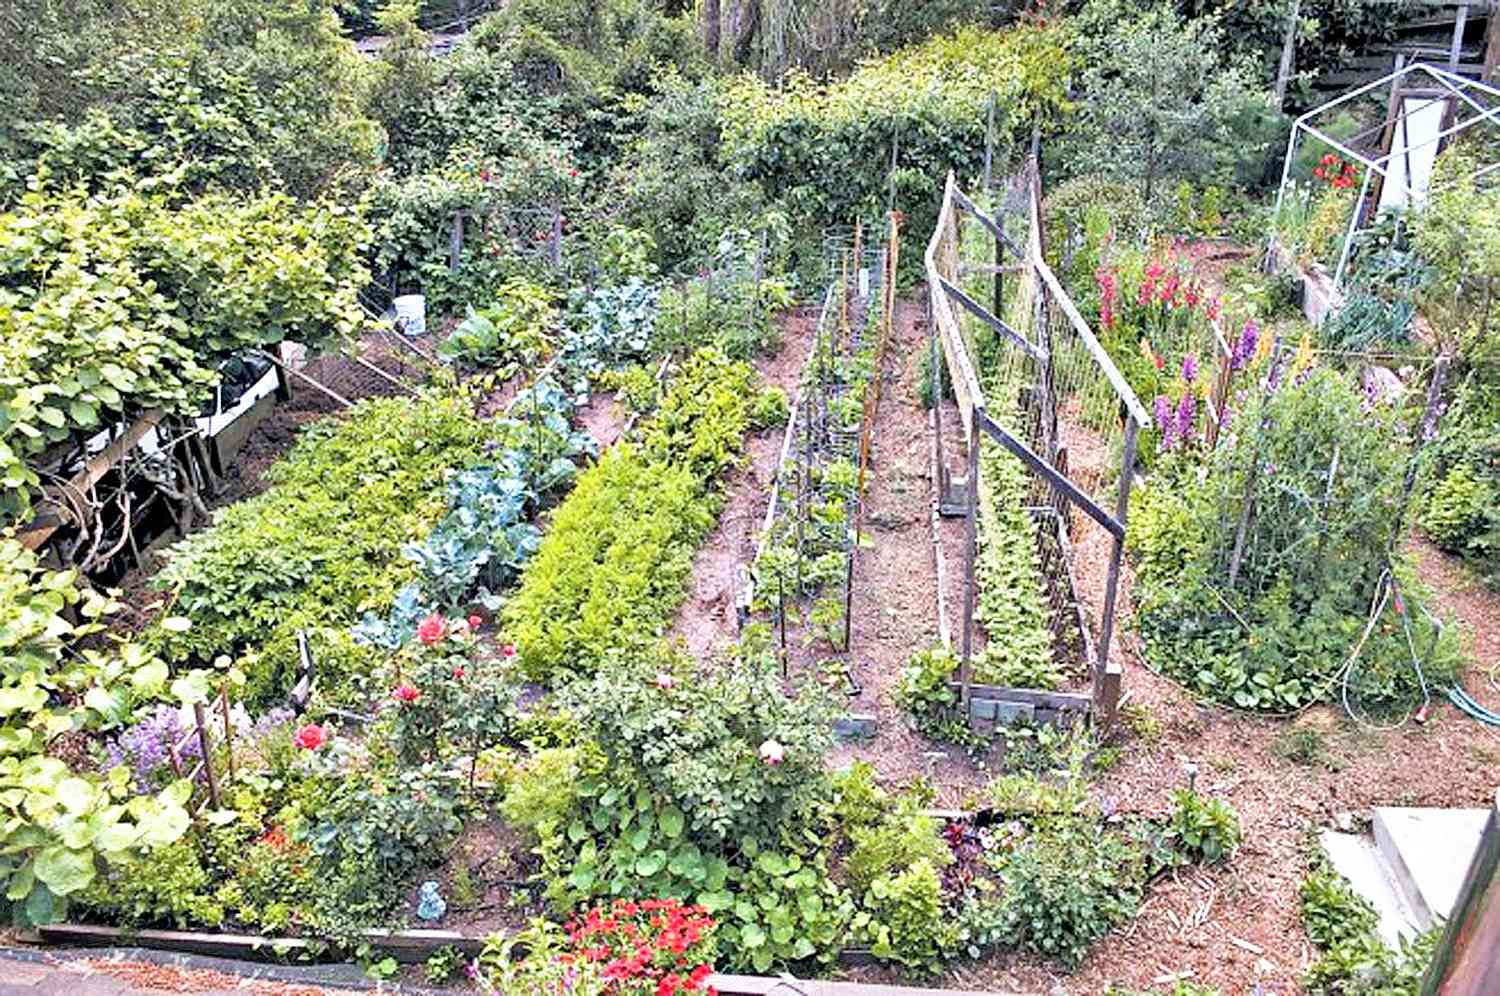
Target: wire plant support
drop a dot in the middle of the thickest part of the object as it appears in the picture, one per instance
(1047, 395)
(1428, 108)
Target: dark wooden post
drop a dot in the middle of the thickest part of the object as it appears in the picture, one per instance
(1107, 673)
(1467, 960)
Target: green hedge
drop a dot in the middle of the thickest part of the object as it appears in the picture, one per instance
(824, 150)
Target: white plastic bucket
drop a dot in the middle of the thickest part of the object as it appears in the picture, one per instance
(411, 314)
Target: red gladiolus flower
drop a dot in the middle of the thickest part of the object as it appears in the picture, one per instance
(406, 693)
(432, 629)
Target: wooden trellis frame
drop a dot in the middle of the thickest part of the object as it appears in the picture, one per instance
(1047, 464)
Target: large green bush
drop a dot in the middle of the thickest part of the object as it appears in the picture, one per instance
(115, 304)
(824, 150)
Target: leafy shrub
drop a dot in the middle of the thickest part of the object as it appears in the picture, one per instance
(699, 743)
(808, 144)
(1457, 508)
(126, 302)
(514, 330)
(1311, 559)
(169, 889)
(1202, 829)
(771, 409)
(321, 545)
(1066, 886)
(906, 916)
(924, 692)
(1332, 912)
(541, 791)
(1353, 960)
(902, 836)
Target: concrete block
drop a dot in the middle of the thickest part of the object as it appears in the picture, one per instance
(1428, 851)
(1356, 857)
(855, 727)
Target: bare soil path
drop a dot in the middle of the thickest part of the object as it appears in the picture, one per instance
(706, 621)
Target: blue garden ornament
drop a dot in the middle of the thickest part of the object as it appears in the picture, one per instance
(430, 905)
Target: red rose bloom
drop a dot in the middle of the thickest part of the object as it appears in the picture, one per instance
(432, 629)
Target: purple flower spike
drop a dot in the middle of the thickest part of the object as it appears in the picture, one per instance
(1245, 347)
(1190, 368)
(1187, 409)
(1166, 421)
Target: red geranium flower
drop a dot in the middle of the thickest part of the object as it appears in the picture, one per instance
(310, 737)
(406, 693)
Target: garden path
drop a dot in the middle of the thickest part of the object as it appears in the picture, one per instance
(706, 622)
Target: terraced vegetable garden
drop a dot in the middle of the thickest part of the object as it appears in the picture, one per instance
(632, 499)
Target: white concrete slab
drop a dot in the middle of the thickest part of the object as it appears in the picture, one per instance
(1428, 851)
(1356, 857)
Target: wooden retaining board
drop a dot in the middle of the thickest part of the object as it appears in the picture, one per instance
(415, 946)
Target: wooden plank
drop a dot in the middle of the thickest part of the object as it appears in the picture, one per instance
(1116, 379)
(982, 313)
(987, 222)
(1060, 701)
(1467, 960)
(1046, 470)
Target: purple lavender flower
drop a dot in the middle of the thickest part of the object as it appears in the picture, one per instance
(1189, 368)
(146, 748)
(1187, 408)
(1166, 423)
(1245, 347)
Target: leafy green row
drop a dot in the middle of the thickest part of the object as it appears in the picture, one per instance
(612, 568)
(323, 544)
(1012, 600)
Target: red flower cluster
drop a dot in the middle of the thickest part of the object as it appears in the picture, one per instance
(656, 947)
(405, 693)
(1335, 172)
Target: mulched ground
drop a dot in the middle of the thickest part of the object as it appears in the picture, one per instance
(706, 623)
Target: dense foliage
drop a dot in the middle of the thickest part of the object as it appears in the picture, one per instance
(323, 544)
(64, 825)
(813, 147)
(1322, 467)
(116, 304)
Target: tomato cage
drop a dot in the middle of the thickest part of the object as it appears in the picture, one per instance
(1046, 426)
(1338, 177)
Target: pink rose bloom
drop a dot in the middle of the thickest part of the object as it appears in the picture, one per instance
(310, 737)
(772, 752)
(508, 650)
(432, 629)
(475, 622)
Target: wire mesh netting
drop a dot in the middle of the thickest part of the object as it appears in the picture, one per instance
(1040, 377)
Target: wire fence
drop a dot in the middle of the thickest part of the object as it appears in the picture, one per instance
(1029, 377)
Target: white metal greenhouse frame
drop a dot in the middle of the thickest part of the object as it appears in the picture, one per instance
(1395, 165)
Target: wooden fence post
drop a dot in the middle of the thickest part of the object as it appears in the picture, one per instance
(1467, 960)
